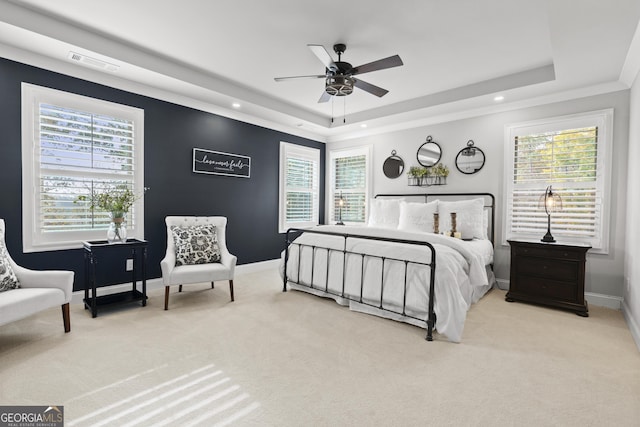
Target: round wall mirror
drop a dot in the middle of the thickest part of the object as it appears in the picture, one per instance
(393, 166)
(470, 159)
(429, 153)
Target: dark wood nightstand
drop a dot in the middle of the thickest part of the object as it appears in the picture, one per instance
(548, 273)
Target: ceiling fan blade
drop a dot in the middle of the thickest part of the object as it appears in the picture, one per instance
(325, 97)
(316, 76)
(368, 87)
(324, 57)
(381, 64)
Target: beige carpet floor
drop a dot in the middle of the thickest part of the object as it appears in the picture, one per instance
(292, 359)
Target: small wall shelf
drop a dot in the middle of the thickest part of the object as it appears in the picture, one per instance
(427, 181)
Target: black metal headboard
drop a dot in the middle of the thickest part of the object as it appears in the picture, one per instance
(489, 203)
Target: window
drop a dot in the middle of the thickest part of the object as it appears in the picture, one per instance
(299, 186)
(571, 154)
(349, 181)
(73, 145)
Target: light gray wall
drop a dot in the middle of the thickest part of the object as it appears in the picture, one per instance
(604, 272)
(631, 289)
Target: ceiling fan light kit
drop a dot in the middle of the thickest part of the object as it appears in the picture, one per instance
(339, 80)
(339, 85)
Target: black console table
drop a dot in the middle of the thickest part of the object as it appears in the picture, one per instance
(101, 249)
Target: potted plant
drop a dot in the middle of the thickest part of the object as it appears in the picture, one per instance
(116, 200)
(414, 175)
(441, 172)
(427, 176)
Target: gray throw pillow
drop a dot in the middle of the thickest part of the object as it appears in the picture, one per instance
(196, 244)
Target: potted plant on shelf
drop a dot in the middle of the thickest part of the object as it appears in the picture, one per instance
(426, 176)
(116, 200)
(414, 175)
(441, 173)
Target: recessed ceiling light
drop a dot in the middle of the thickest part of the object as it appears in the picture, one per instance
(236, 105)
(498, 98)
(364, 125)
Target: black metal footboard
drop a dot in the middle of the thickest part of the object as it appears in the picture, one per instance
(290, 244)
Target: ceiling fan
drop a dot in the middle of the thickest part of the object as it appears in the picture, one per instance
(339, 75)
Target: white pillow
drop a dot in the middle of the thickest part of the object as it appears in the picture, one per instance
(384, 213)
(469, 217)
(417, 216)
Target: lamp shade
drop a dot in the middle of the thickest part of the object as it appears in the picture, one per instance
(552, 202)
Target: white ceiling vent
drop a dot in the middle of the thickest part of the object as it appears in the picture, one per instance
(92, 62)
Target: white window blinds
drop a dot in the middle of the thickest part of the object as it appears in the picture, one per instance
(300, 189)
(349, 172)
(299, 186)
(75, 147)
(81, 152)
(570, 157)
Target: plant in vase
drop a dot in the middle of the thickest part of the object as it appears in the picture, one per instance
(414, 175)
(441, 172)
(116, 200)
(426, 176)
(421, 172)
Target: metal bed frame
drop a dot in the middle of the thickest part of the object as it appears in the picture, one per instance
(431, 315)
(431, 318)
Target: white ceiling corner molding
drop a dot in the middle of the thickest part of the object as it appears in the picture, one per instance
(631, 67)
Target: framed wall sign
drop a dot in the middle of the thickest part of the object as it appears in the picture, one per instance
(219, 163)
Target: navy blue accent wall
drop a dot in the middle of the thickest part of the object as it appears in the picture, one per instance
(171, 132)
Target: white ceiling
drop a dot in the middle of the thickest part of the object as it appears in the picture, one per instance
(458, 55)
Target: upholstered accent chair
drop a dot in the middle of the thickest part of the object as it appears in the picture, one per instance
(196, 253)
(31, 291)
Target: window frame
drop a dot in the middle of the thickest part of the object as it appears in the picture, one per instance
(32, 96)
(342, 153)
(603, 120)
(288, 150)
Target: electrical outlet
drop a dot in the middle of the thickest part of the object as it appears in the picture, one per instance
(130, 264)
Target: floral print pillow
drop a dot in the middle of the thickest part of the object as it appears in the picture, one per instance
(196, 244)
(8, 279)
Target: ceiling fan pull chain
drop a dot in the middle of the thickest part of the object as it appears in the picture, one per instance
(332, 115)
(344, 110)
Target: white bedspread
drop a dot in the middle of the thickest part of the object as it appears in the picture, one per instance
(461, 273)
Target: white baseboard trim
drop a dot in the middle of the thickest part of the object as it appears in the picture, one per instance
(254, 267)
(631, 323)
(599, 300)
(503, 284)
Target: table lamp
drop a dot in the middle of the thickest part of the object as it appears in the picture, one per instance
(340, 205)
(552, 202)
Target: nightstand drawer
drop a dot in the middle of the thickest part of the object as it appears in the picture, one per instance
(546, 268)
(547, 288)
(557, 253)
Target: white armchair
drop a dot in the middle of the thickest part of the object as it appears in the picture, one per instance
(39, 290)
(173, 274)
